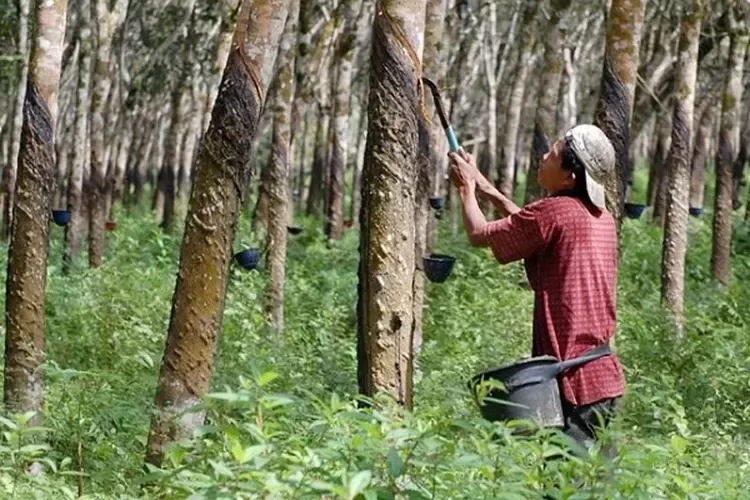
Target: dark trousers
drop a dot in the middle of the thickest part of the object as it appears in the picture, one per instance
(582, 422)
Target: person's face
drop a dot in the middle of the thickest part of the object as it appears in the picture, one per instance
(551, 176)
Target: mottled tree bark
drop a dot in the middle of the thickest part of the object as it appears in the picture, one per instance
(116, 178)
(62, 161)
(346, 50)
(700, 155)
(738, 172)
(222, 174)
(29, 235)
(433, 148)
(180, 106)
(721, 258)
(15, 121)
(107, 22)
(490, 51)
(387, 260)
(229, 11)
(545, 124)
(661, 81)
(659, 180)
(356, 197)
(674, 247)
(75, 229)
(569, 108)
(506, 174)
(277, 188)
(173, 155)
(143, 159)
(615, 105)
(190, 140)
(316, 192)
(260, 212)
(317, 178)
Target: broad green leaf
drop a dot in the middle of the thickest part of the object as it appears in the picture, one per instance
(679, 444)
(359, 482)
(221, 469)
(395, 464)
(267, 378)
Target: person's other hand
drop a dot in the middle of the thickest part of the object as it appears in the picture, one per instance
(464, 170)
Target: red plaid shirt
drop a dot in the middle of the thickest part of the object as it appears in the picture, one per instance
(570, 257)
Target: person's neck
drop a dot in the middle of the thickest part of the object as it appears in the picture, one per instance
(564, 192)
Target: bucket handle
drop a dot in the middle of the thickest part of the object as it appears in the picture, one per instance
(541, 374)
(592, 355)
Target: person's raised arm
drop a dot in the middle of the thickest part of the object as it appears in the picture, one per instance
(484, 188)
(490, 193)
(474, 220)
(464, 178)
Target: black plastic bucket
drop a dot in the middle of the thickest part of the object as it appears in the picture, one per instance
(634, 210)
(248, 258)
(525, 397)
(695, 211)
(438, 267)
(294, 230)
(530, 388)
(437, 203)
(61, 217)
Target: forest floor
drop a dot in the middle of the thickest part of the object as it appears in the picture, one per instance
(282, 421)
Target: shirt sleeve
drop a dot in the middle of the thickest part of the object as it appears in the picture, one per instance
(517, 236)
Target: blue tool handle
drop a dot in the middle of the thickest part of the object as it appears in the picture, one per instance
(452, 141)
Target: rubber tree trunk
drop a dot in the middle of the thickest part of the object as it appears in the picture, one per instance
(569, 108)
(159, 186)
(433, 149)
(317, 176)
(515, 105)
(173, 156)
(107, 22)
(700, 156)
(301, 76)
(62, 161)
(662, 81)
(260, 213)
(721, 258)
(659, 181)
(190, 142)
(141, 162)
(615, 105)
(738, 173)
(545, 123)
(228, 11)
(346, 50)
(277, 188)
(386, 273)
(16, 120)
(316, 190)
(356, 198)
(490, 54)
(221, 178)
(116, 178)
(674, 248)
(29, 235)
(75, 229)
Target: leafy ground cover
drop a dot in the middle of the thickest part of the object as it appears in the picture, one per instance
(283, 421)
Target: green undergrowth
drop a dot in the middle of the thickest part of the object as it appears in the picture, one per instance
(283, 419)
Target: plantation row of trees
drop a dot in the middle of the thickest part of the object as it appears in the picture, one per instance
(196, 99)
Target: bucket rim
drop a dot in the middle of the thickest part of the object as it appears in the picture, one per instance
(526, 361)
(439, 257)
